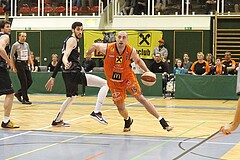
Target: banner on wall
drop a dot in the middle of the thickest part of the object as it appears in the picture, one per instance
(143, 41)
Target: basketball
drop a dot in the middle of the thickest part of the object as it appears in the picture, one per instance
(148, 78)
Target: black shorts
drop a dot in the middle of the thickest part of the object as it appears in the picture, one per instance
(5, 82)
(72, 79)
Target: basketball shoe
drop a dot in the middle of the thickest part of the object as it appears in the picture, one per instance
(98, 117)
(127, 126)
(9, 124)
(165, 125)
(60, 124)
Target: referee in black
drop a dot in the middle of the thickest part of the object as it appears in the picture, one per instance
(20, 52)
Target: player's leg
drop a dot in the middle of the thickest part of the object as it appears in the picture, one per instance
(134, 89)
(71, 90)
(58, 120)
(95, 81)
(119, 95)
(8, 102)
(6, 88)
(124, 113)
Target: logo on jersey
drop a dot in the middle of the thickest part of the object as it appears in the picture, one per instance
(112, 51)
(134, 89)
(116, 76)
(119, 59)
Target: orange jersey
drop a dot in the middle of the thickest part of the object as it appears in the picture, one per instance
(200, 68)
(117, 66)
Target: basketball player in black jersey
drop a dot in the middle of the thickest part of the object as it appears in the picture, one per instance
(73, 75)
(5, 81)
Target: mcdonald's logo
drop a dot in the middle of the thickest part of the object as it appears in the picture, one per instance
(116, 76)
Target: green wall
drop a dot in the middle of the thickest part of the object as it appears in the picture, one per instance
(187, 86)
(44, 43)
(206, 87)
(40, 79)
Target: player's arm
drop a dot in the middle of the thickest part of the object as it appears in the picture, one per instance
(135, 57)
(50, 83)
(102, 47)
(227, 129)
(70, 45)
(236, 120)
(3, 42)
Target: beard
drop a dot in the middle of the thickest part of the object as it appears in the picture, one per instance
(78, 37)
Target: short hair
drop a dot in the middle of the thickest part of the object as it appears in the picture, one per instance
(3, 23)
(209, 54)
(76, 24)
(20, 33)
(55, 54)
(227, 52)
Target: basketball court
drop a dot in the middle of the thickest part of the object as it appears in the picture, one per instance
(195, 135)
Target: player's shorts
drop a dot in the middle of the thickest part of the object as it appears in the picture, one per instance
(118, 89)
(5, 82)
(72, 79)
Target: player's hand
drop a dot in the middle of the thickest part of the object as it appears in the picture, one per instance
(11, 65)
(68, 65)
(14, 70)
(227, 129)
(49, 85)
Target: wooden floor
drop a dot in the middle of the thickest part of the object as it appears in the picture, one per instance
(190, 118)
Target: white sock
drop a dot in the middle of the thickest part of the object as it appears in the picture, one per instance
(159, 118)
(127, 118)
(102, 93)
(6, 119)
(63, 107)
(95, 81)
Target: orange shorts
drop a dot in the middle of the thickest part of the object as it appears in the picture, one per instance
(118, 89)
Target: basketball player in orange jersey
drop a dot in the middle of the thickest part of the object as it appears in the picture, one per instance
(121, 78)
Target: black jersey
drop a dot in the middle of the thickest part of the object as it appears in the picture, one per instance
(73, 57)
(7, 49)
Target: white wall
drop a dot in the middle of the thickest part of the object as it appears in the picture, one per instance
(119, 22)
(53, 22)
(162, 22)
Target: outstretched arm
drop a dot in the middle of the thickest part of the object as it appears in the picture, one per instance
(102, 47)
(227, 129)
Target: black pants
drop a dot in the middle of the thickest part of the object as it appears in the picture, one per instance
(25, 78)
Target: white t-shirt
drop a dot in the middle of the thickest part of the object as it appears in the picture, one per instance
(136, 69)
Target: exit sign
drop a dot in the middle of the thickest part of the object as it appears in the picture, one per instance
(188, 28)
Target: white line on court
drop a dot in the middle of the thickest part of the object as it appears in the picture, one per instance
(24, 133)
